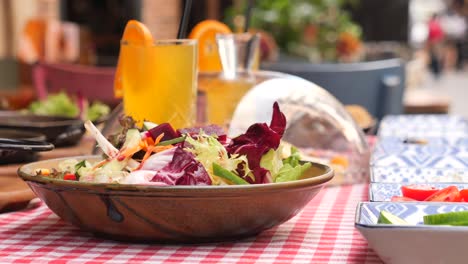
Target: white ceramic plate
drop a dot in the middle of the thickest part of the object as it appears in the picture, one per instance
(415, 243)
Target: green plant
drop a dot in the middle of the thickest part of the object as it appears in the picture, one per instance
(318, 29)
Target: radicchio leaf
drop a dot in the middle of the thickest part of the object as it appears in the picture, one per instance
(183, 170)
(159, 160)
(278, 120)
(258, 140)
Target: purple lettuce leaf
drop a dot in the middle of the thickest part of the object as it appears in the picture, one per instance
(261, 175)
(278, 120)
(258, 140)
(183, 170)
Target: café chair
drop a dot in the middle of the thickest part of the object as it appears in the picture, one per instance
(376, 85)
(93, 83)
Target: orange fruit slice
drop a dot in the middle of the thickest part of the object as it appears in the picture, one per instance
(340, 160)
(135, 33)
(205, 32)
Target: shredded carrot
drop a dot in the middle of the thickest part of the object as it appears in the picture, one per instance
(128, 152)
(150, 141)
(162, 148)
(151, 145)
(101, 163)
(145, 157)
(147, 154)
(158, 139)
(143, 144)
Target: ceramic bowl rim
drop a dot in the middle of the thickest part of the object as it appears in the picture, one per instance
(303, 183)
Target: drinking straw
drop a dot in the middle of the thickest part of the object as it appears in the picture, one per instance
(248, 15)
(184, 20)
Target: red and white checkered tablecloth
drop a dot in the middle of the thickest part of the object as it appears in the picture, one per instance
(322, 233)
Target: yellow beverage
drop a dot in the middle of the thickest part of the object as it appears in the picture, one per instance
(223, 91)
(222, 97)
(159, 81)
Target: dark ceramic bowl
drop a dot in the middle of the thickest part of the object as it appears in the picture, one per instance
(8, 156)
(181, 214)
(60, 131)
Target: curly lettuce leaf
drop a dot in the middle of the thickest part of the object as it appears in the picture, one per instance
(283, 170)
(210, 130)
(208, 150)
(97, 110)
(272, 162)
(294, 158)
(290, 173)
(59, 104)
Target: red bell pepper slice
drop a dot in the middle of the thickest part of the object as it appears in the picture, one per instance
(464, 195)
(69, 177)
(448, 194)
(419, 192)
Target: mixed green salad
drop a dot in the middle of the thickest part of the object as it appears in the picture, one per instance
(61, 104)
(161, 155)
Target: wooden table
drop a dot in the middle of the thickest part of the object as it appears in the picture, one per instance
(426, 102)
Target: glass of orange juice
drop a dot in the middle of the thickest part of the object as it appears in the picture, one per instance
(159, 81)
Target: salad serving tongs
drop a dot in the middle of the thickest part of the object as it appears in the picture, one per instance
(25, 145)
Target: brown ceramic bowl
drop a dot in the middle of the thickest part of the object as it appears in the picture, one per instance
(180, 214)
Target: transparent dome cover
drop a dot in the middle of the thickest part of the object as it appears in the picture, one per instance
(317, 123)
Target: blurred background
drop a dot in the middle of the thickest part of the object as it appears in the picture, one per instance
(412, 52)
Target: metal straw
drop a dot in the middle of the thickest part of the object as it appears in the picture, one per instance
(248, 15)
(184, 20)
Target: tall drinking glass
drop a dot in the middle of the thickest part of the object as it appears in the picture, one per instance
(224, 90)
(159, 81)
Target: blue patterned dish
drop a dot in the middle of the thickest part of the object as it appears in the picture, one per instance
(383, 192)
(421, 133)
(392, 142)
(423, 126)
(438, 157)
(415, 243)
(417, 175)
(386, 148)
(413, 213)
(429, 120)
